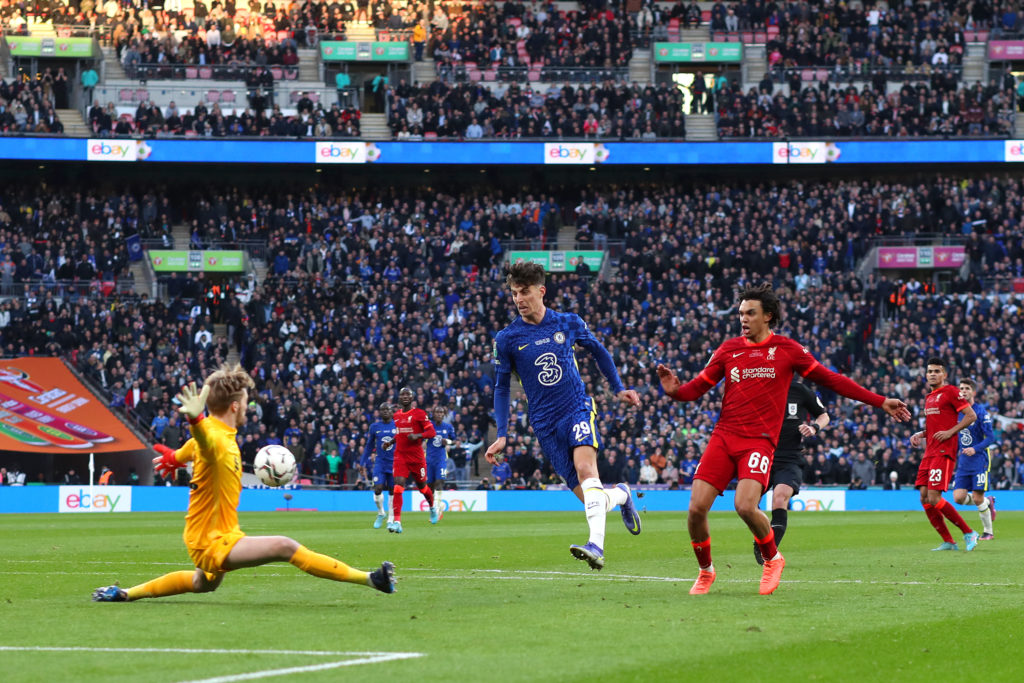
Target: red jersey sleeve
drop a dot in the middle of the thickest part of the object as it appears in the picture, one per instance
(426, 426)
(952, 394)
(808, 366)
(711, 375)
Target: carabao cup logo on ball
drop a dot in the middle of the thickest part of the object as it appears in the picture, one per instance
(569, 153)
(111, 150)
(341, 152)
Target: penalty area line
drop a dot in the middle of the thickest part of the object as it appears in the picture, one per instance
(360, 658)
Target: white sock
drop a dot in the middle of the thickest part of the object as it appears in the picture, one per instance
(378, 498)
(985, 512)
(596, 504)
(616, 496)
(391, 509)
(436, 507)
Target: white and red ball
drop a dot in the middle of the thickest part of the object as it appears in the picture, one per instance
(274, 465)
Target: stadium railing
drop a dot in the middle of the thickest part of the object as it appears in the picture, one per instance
(862, 72)
(216, 72)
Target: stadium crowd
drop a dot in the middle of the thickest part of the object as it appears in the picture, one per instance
(914, 110)
(368, 291)
(29, 106)
(609, 110)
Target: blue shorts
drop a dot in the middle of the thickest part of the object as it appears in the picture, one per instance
(557, 442)
(383, 475)
(436, 470)
(977, 481)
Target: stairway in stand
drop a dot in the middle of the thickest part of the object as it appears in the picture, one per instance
(74, 125)
(374, 127)
(701, 128)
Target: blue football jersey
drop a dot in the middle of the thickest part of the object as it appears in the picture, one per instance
(436, 451)
(979, 436)
(380, 439)
(542, 356)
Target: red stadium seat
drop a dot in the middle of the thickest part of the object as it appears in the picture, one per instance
(760, 37)
(773, 31)
(430, 135)
(191, 72)
(821, 75)
(227, 96)
(126, 95)
(205, 72)
(213, 96)
(807, 75)
(748, 36)
(141, 95)
(276, 72)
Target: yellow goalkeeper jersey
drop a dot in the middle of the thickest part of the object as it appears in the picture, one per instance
(216, 482)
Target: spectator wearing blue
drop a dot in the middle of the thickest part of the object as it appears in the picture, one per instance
(501, 472)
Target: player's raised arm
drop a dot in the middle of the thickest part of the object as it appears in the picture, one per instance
(170, 460)
(691, 391)
(810, 368)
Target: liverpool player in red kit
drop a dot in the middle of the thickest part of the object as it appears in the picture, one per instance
(940, 427)
(758, 368)
(412, 426)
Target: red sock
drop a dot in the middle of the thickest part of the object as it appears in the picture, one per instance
(935, 517)
(767, 545)
(950, 513)
(703, 552)
(428, 494)
(396, 502)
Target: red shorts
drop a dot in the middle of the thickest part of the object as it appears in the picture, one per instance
(935, 472)
(414, 466)
(729, 457)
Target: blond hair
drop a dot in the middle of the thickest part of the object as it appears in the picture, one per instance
(226, 386)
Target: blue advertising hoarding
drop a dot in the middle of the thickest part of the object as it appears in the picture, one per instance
(588, 154)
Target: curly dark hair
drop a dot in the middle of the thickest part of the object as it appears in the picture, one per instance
(524, 274)
(770, 303)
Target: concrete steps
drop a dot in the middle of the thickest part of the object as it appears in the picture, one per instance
(374, 127)
(74, 125)
(701, 128)
(975, 64)
(424, 72)
(695, 35)
(143, 280)
(181, 234)
(640, 67)
(309, 69)
(112, 68)
(360, 32)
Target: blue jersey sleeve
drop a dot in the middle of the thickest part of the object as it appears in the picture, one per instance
(985, 427)
(371, 442)
(502, 386)
(605, 364)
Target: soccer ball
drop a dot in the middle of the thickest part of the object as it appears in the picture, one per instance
(274, 465)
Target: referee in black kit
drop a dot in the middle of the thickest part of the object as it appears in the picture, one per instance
(786, 472)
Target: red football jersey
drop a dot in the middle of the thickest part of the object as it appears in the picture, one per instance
(940, 413)
(757, 382)
(413, 421)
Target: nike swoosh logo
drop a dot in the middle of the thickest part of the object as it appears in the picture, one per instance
(523, 347)
(738, 354)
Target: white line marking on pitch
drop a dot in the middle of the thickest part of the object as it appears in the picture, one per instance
(363, 658)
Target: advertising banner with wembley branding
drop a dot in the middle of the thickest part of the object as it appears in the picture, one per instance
(210, 261)
(559, 261)
(45, 409)
(921, 257)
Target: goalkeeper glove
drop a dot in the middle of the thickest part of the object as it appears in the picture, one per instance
(192, 402)
(166, 465)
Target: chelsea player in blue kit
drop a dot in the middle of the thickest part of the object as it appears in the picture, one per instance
(971, 479)
(538, 347)
(381, 440)
(437, 459)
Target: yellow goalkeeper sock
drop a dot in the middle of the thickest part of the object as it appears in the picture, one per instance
(174, 583)
(327, 567)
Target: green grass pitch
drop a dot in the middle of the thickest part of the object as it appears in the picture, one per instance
(497, 597)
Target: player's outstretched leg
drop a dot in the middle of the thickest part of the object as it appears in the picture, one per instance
(383, 579)
(110, 594)
(630, 517)
(174, 583)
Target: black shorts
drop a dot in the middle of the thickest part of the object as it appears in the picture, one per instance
(788, 473)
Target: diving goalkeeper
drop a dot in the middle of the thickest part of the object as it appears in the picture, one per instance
(212, 536)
